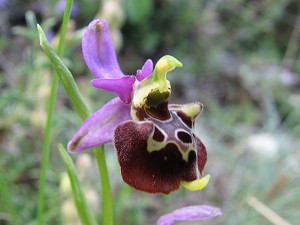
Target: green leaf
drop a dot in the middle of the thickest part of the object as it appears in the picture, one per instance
(65, 77)
(83, 209)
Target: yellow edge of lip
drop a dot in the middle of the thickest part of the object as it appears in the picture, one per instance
(196, 185)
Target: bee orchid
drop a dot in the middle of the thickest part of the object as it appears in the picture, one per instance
(157, 148)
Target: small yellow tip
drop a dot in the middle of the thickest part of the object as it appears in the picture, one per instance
(196, 185)
(162, 65)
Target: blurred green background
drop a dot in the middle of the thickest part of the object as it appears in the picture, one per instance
(240, 59)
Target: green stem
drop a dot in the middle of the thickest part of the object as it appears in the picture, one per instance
(107, 208)
(48, 128)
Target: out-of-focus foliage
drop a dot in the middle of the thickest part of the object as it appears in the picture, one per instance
(240, 58)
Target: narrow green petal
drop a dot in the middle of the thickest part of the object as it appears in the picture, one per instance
(83, 209)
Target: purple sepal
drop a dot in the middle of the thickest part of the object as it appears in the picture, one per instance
(123, 87)
(146, 70)
(197, 212)
(98, 51)
(99, 127)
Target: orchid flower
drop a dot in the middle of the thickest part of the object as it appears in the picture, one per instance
(155, 142)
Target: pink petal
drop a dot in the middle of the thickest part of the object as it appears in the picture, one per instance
(99, 127)
(98, 51)
(123, 87)
(146, 70)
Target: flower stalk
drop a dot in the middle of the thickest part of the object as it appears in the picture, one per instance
(107, 209)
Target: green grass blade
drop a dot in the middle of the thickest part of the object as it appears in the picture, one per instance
(48, 129)
(83, 209)
(6, 201)
(65, 77)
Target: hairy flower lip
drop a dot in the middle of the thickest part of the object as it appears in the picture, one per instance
(154, 159)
